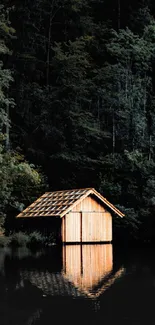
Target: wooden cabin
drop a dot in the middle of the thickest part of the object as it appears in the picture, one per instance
(77, 216)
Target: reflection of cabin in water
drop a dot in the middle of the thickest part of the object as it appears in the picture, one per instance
(76, 216)
(90, 268)
(87, 271)
(52, 284)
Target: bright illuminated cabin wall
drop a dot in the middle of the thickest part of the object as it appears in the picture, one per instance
(87, 222)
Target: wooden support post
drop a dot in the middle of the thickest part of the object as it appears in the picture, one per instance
(64, 248)
(81, 259)
(65, 228)
(81, 255)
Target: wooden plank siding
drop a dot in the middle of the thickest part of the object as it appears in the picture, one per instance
(89, 204)
(87, 222)
(73, 227)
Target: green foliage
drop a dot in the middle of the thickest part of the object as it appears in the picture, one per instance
(6, 31)
(19, 184)
(18, 239)
(127, 229)
(22, 239)
(35, 239)
(4, 241)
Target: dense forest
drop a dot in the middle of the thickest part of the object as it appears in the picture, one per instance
(77, 104)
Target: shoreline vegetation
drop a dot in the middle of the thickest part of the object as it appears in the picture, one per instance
(36, 240)
(23, 239)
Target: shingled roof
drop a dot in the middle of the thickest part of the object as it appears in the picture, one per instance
(59, 203)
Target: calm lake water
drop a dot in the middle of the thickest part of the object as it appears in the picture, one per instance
(88, 284)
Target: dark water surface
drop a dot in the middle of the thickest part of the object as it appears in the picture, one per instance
(74, 284)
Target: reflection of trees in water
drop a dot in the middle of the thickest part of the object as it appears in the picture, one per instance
(131, 300)
(39, 291)
(34, 318)
(4, 252)
(38, 288)
(18, 306)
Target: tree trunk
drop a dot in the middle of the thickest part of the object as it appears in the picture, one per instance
(98, 112)
(119, 14)
(113, 133)
(126, 85)
(144, 105)
(48, 49)
(7, 142)
(52, 15)
(150, 147)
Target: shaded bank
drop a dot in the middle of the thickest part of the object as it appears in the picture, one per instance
(31, 240)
